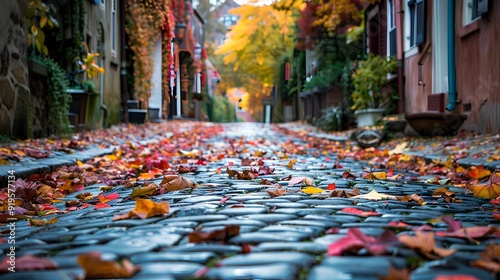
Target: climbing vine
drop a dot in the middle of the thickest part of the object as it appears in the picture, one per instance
(144, 21)
(59, 99)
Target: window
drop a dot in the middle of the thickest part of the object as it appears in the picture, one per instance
(113, 28)
(391, 28)
(473, 9)
(417, 22)
(102, 4)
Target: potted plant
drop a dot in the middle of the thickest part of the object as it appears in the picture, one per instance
(369, 79)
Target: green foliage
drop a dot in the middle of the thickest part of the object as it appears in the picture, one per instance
(59, 99)
(369, 79)
(326, 77)
(223, 110)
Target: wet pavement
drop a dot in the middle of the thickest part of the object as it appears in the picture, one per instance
(269, 202)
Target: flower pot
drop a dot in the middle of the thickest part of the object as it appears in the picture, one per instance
(154, 113)
(435, 123)
(137, 115)
(369, 117)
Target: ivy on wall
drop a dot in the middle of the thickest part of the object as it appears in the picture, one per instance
(144, 21)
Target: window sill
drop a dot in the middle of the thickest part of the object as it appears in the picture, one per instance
(411, 52)
(469, 29)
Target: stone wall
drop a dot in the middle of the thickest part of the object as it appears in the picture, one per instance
(15, 98)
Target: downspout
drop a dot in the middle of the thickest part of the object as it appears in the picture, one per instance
(123, 64)
(452, 87)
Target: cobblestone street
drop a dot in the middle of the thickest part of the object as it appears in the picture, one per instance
(255, 202)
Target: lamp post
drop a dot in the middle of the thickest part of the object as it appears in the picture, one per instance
(180, 34)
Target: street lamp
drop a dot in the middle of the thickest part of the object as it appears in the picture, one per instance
(180, 33)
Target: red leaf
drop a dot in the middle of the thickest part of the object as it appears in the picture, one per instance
(27, 262)
(454, 225)
(46, 207)
(391, 172)
(496, 216)
(101, 205)
(223, 200)
(360, 212)
(356, 240)
(214, 235)
(331, 186)
(469, 232)
(3, 196)
(332, 231)
(456, 277)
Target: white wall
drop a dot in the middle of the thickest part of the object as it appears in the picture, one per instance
(155, 99)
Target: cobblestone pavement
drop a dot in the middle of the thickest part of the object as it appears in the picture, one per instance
(243, 228)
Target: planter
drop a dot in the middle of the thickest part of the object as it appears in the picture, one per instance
(369, 117)
(154, 113)
(137, 115)
(37, 67)
(133, 104)
(435, 123)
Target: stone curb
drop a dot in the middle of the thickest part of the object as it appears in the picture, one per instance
(47, 165)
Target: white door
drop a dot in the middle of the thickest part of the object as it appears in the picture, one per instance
(440, 47)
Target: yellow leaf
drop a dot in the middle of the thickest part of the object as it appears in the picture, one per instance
(374, 195)
(375, 175)
(43, 21)
(488, 190)
(312, 190)
(143, 191)
(291, 163)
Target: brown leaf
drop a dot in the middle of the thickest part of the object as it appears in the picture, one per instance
(145, 208)
(344, 193)
(424, 243)
(274, 192)
(175, 183)
(96, 268)
(27, 262)
(215, 235)
(489, 259)
(397, 274)
(44, 222)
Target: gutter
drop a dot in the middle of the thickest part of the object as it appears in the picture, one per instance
(452, 87)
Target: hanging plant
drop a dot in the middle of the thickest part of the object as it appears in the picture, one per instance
(38, 18)
(145, 19)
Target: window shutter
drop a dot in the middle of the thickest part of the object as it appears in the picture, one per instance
(482, 7)
(420, 14)
(392, 41)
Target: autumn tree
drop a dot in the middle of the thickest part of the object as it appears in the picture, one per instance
(259, 41)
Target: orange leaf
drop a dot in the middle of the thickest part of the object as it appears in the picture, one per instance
(44, 222)
(478, 172)
(488, 190)
(95, 267)
(145, 176)
(145, 208)
(396, 274)
(101, 205)
(331, 186)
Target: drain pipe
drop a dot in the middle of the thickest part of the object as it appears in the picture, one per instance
(452, 86)
(103, 107)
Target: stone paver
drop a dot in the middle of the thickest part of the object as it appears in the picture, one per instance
(284, 237)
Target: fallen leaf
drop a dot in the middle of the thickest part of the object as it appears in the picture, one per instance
(146, 176)
(144, 191)
(397, 274)
(331, 186)
(359, 212)
(27, 262)
(145, 208)
(489, 258)
(375, 175)
(374, 195)
(452, 223)
(456, 277)
(298, 180)
(478, 172)
(274, 192)
(97, 268)
(291, 163)
(423, 242)
(215, 235)
(175, 183)
(356, 240)
(469, 232)
(412, 197)
(312, 190)
(43, 222)
(344, 193)
(101, 206)
(108, 197)
(488, 190)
